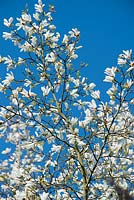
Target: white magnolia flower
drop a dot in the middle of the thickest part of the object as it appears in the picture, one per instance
(27, 83)
(56, 148)
(39, 6)
(20, 61)
(8, 22)
(36, 16)
(9, 79)
(74, 93)
(32, 94)
(92, 105)
(87, 119)
(80, 104)
(128, 83)
(48, 35)
(112, 91)
(110, 71)
(20, 23)
(131, 66)
(49, 16)
(6, 151)
(109, 79)
(45, 90)
(73, 55)
(26, 17)
(51, 57)
(26, 47)
(7, 35)
(74, 120)
(71, 138)
(91, 86)
(9, 62)
(74, 33)
(95, 94)
(70, 48)
(127, 54)
(28, 145)
(43, 24)
(52, 27)
(25, 93)
(65, 39)
(55, 38)
(50, 163)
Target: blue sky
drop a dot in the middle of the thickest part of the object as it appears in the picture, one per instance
(106, 29)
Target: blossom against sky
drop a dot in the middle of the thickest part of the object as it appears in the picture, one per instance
(106, 29)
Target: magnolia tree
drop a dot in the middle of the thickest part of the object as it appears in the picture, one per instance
(60, 139)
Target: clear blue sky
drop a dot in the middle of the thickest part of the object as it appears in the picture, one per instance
(106, 28)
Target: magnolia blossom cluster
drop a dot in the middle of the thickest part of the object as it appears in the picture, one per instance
(62, 141)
